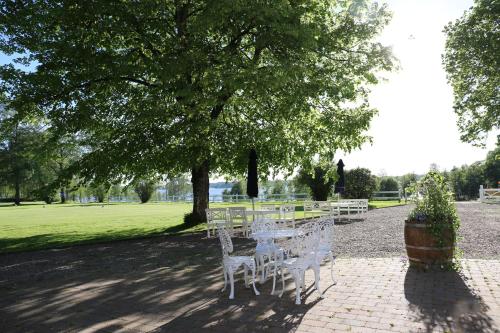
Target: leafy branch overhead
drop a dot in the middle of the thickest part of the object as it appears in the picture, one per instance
(471, 61)
(169, 87)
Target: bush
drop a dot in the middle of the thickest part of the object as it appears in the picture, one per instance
(236, 189)
(434, 201)
(192, 219)
(389, 184)
(99, 191)
(144, 189)
(320, 183)
(359, 184)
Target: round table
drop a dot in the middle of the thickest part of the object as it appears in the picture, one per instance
(266, 236)
(279, 233)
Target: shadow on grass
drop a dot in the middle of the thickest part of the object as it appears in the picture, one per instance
(47, 241)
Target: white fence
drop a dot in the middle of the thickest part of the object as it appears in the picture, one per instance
(387, 195)
(158, 197)
(489, 195)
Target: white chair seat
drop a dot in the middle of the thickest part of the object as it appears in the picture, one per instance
(266, 248)
(232, 263)
(239, 260)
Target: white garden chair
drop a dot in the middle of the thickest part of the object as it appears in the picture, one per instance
(301, 256)
(270, 207)
(325, 227)
(287, 212)
(266, 249)
(216, 217)
(231, 264)
(238, 216)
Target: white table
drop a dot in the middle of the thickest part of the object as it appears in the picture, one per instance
(267, 236)
(275, 234)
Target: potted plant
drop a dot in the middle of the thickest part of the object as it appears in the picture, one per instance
(431, 227)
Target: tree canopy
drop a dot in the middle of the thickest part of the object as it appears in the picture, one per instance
(389, 184)
(359, 183)
(321, 180)
(471, 61)
(169, 87)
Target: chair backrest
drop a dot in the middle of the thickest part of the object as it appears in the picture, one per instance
(287, 211)
(271, 207)
(216, 214)
(316, 205)
(306, 241)
(326, 230)
(284, 223)
(225, 240)
(238, 213)
(263, 225)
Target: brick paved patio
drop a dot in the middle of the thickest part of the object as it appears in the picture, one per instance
(172, 284)
(372, 295)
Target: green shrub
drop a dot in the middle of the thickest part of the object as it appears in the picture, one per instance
(435, 207)
(434, 201)
(144, 189)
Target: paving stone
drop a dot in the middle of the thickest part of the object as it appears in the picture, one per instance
(122, 291)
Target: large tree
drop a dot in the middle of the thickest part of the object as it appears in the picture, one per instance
(172, 86)
(472, 61)
(320, 179)
(20, 144)
(492, 167)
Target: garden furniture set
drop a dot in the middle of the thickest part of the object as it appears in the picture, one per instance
(241, 217)
(280, 247)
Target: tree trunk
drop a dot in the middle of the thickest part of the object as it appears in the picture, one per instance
(63, 195)
(200, 180)
(17, 187)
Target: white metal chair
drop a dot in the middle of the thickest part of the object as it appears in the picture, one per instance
(232, 263)
(271, 207)
(216, 217)
(325, 227)
(238, 216)
(266, 249)
(301, 256)
(287, 212)
(316, 208)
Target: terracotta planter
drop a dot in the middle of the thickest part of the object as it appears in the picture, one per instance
(423, 248)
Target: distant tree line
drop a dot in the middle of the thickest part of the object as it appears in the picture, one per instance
(465, 180)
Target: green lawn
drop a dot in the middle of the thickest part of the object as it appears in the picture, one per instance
(37, 226)
(385, 203)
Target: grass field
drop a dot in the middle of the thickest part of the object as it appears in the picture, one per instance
(32, 227)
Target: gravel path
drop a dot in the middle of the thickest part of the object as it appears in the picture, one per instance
(381, 234)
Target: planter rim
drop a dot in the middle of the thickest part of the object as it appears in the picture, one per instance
(407, 221)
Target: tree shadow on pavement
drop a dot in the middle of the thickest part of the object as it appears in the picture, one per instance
(171, 284)
(442, 301)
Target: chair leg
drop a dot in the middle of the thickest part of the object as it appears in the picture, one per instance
(331, 268)
(225, 279)
(298, 283)
(262, 269)
(253, 281)
(245, 270)
(274, 275)
(316, 280)
(282, 282)
(231, 281)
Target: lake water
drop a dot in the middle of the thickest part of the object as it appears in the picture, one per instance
(216, 190)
